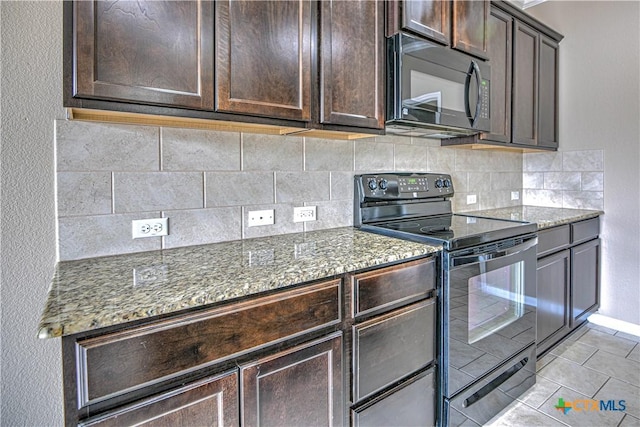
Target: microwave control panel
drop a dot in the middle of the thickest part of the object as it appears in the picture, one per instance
(484, 99)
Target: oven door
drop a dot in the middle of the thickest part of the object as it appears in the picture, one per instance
(488, 309)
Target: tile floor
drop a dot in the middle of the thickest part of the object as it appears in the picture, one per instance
(594, 363)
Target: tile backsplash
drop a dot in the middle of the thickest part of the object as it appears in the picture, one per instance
(206, 182)
(570, 179)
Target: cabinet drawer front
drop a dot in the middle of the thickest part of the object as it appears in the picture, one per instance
(113, 363)
(585, 230)
(384, 289)
(391, 347)
(411, 404)
(553, 239)
(213, 401)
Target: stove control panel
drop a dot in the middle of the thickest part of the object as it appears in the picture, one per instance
(394, 186)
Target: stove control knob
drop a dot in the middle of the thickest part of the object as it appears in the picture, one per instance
(439, 183)
(447, 183)
(382, 184)
(373, 185)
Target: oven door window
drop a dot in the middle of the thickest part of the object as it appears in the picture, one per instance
(496, 299)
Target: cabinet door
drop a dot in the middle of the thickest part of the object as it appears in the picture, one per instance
(298, 387)
(525, 84)
(264, 58)
(352, 61)
(548, 94)
(212, 402)
(429, 18)
(469, 20)
(553, 299)
(411, 404)
(152, 52)
(585, 280)
(499, 51)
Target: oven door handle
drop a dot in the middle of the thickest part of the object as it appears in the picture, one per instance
(488, 256)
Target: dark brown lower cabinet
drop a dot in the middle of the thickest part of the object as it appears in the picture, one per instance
(411, 404)
(585, 280)
(568, 280)
(297, 387)
(553, 298)
(212, 401)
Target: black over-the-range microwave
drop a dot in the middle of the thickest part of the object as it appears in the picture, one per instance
(434, 91)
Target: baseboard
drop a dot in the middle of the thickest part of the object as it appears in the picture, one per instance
(619, 325)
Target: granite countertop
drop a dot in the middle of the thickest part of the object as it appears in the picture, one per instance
(98, 292)
(543, 216)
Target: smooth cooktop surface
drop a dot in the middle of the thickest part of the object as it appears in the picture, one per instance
(456, 231)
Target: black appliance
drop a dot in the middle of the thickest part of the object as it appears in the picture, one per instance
(434, 91)
(487, 297)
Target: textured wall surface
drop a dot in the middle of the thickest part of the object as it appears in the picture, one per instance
(31, 101)
(564, 179)
(206, 182)
(600, 110)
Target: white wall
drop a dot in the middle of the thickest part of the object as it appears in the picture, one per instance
(31, 100)
(600, 109)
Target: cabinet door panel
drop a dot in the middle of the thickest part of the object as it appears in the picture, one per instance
(525, 85)
(469, 20)
(264, 58)
(212, 402)
(548, 92)
(298, 387)
(585, 280)
(553, 297)
(429, 18)
(153, 52)
(352, 55)
(499, 50)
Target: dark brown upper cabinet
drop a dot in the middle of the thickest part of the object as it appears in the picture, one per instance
(152, 52)
(352, 63)
(428, 18)
(500, 28)
(548, 93)
(461, 24)
(264, 58)
(525, 84)
(469, 27)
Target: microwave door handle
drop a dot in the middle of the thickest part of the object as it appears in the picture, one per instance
(476, 72)
(467, 88)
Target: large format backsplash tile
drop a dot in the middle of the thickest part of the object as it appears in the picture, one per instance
(206, 182)
(570, 179)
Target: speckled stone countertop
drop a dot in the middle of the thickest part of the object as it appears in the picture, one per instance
(98, 292)
(543, 216)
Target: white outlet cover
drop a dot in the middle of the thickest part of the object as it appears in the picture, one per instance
(265, 217)
(471, 199)
(153, 227)
(304, 213)
(515, 195)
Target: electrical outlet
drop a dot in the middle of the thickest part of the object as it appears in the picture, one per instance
(149, 227)
(515, 195)
(265, 217)
(304, 213)
(471, 199)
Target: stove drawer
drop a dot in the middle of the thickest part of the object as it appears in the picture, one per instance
(384, 289)
(391, 347)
